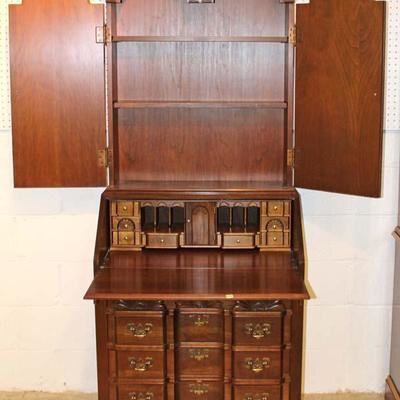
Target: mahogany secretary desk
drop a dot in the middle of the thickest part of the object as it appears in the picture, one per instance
(201, 117)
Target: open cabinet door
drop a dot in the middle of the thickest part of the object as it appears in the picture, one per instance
(57, 91)
(339, 96)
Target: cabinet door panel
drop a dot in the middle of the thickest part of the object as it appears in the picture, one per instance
(57, 90)
(200, 224)
(339, 96)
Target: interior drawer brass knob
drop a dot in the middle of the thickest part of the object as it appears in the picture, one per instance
(258, 331)
(141, 396)
(140, 364)
(140, 330)
(258, 365)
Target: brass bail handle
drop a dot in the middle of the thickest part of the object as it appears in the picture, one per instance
(198, 389)
(198, 355)
(258, 331)
(258, 365)
(141, 396)
(140, 330)
(200, 320)
(141, 365)
(263, 396)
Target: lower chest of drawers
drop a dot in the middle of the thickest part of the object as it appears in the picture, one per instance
(198, 350)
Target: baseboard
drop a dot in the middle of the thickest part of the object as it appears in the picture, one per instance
(391, 392)
(84, 396)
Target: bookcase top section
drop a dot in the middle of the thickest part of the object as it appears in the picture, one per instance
(199, 190)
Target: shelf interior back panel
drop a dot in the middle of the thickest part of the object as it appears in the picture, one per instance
(182, 144)
(202, 71)
(180, 18)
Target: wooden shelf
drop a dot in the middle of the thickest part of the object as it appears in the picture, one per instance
(200, 104)
(199, 190)
(198, 274)
(239, 39)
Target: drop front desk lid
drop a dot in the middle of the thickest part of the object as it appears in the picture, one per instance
(198, 274)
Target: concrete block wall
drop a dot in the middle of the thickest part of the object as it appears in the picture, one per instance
(46, 246)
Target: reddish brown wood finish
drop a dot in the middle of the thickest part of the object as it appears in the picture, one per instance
(199, 362)
(270, 392)
(200, 225)
(339, 88)
(57, 91)
(196, 190)
(199, 325)
(187, 390)
(216, 274)
(256, 364)
(223, 18)
(201, 145)
(257, 328)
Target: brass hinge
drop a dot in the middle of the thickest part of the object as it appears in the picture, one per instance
(103, 34)
(291, 157)
(104, 157)
(293, 35)
(396, 233)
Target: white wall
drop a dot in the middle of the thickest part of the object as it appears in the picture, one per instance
(46, 245)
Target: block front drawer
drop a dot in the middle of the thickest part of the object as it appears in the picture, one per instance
(140, 330)
(257, 329)
(257, 365)
(199, 325)
(199, 391)
(140, 364)
(200, 361)
(141, 392)
(255, 392)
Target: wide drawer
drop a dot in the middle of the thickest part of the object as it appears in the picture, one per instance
(199, 391)
(257, 364)
(144, 329)
(162, 240)
(141, 392)
(236, 240)
(257, 329)
(200, 362)
(140, 364)
(195, 325)
(257, 392)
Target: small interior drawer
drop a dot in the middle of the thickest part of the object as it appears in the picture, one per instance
(146, 329)
(141, 392)
(257, 329)
(257, 365)
(125, 208)
(235, 240)
(194, 362)
(162, 240)
(125, 238)
(199, 325)
(140, 364)
(275, 239)
(202, 390)
(276, 208)
(257, 392)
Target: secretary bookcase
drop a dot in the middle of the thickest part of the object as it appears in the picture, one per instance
(201, 118)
